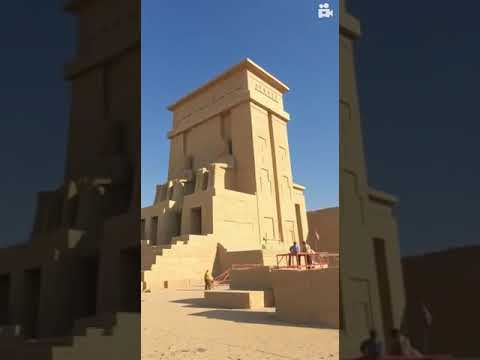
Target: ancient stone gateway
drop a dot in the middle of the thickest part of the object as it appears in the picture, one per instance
(78, 274)
(229, 181)
(371, 281)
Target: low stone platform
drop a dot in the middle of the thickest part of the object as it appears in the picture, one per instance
(239, 299)
(308, 296)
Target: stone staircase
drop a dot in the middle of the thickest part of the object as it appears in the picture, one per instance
(150, 253)
(122, 341)
(110, 336)
(179, 264)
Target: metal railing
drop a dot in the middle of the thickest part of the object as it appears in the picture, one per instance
(224, 277)
(313, 260)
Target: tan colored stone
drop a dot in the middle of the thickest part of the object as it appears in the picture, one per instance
(229, 180)
(324, 230)
(307, 296)
(372, 291)
(239, 299)
(83, 255)
(258, 278)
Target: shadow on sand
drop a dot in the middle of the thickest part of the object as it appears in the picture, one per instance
(193, 302)
(267, 317)
(253, 317)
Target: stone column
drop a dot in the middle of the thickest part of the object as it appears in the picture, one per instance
(217, 176)
(199, 176)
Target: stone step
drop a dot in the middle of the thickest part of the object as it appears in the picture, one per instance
(176, 265)
(174, 272)
(162, 284)
(93, 331)
(176, 257)
(34, 349)
(151, 277)
(239, 299)
(188, 250)
(121, 345)
(105, 322)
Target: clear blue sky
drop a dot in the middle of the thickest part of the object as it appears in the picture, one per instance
(186, 44)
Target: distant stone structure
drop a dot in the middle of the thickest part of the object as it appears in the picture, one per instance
(445, 283)
(324, 229)
(372, 291)
(229, 182)
(81, 265)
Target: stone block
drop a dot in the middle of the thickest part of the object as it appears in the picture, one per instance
(239, 299)
(256, 278)
(307, 296)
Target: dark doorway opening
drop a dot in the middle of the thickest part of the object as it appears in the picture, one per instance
(383, 284)
(299, 222)
(205, 181)
(5, 284)
(129, 280)
(142, 229)
(33, 282)
(154, 230)
(196, 221)
(177, 224)
(86, 288)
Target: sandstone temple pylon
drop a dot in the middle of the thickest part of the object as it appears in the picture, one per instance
(230, 195)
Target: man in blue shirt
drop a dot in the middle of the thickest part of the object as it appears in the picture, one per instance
(294, 250)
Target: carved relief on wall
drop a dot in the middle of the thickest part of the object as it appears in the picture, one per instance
(290, 231)
(265, 182)
(268, 229)
(286, 188)
(283, 158)
(266, 91)
(262, 150)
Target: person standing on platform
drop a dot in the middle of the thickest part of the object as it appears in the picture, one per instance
(294, 250)
(307, 250)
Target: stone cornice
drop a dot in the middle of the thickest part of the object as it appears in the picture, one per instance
(349, 25)
(246, 64)
(82, 63)
(382, 197)
(298, 187)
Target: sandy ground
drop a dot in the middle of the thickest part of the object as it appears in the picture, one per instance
(177, 325)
